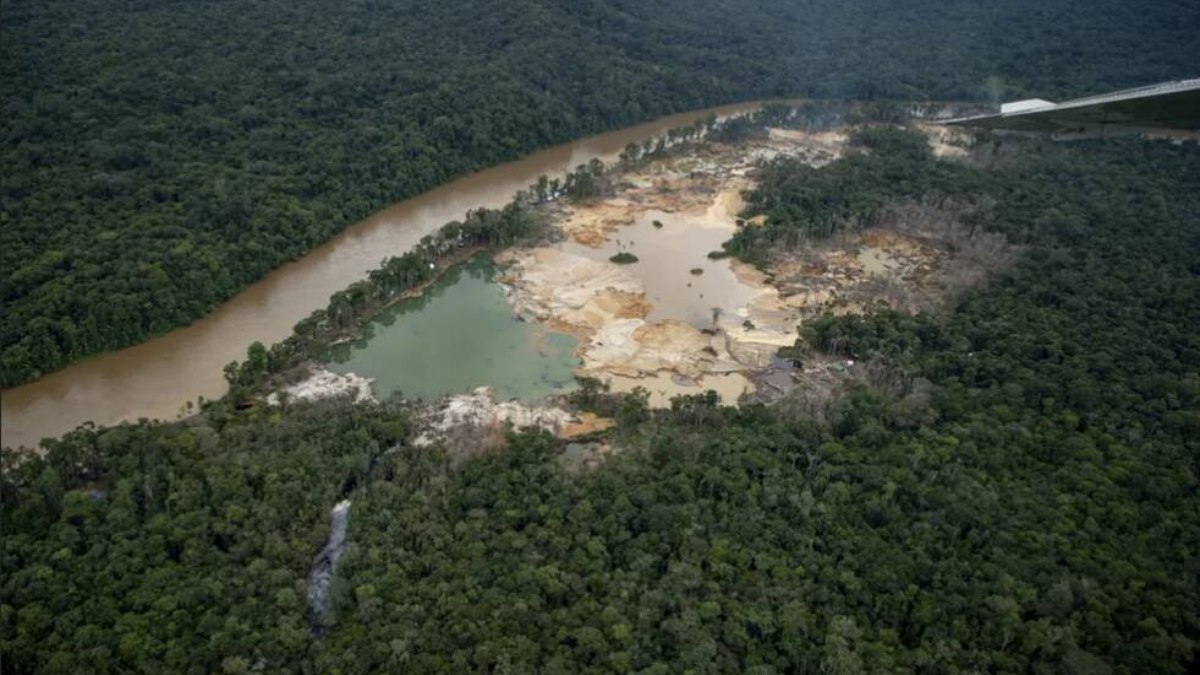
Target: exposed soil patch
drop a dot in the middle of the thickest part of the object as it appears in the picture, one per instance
(921, 258)
(946, 141)
(322, 384)
(586, 423)
(470, 423)
(570, 292)
(681, 321)
(850, 272)
(663, 386)
(817, 148)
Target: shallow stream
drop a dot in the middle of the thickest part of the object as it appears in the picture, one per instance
(321, 574)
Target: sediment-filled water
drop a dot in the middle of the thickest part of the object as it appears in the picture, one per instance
(459, 335)
(155, 379)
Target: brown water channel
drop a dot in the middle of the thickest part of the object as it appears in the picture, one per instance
(154, 379)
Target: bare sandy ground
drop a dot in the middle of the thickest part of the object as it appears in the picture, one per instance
(607, 306)
(624, 314)
(322, 384)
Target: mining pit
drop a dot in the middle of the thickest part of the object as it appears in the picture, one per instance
(658, 324)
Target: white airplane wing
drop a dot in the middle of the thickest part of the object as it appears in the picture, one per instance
(1169, 108)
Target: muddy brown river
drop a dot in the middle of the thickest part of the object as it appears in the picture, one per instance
(155, 379)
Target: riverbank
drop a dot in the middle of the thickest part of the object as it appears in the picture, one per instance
(684, 318)
(445, 264)
(676, 329)
(678, 321)
(155, 379)
(459, 335)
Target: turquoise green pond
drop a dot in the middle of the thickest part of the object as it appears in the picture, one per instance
(459, 335)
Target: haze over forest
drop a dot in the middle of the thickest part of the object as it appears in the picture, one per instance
(988, 461)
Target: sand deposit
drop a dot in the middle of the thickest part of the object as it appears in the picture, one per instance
(322, 384)
(677, 322)
(570, 291)
(658, 323)
(480, 418)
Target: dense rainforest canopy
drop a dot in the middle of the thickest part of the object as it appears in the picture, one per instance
(158, 156)
(1026, 503)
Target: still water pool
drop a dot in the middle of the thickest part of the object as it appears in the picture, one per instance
(460, 334)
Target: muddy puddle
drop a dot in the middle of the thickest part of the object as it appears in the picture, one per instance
(664, 386)
(679, 279)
